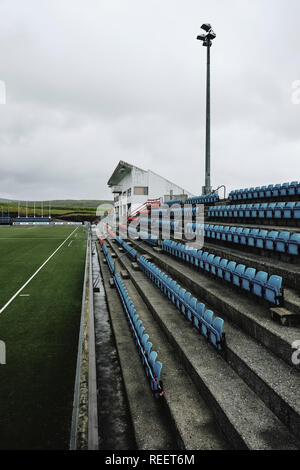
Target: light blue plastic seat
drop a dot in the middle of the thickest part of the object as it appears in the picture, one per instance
(228, 271)
(208, 262)
(208, 318)
(288, 210)
(252, 237)
(221, 267)
(279, 209)
(281, 242)
(268, 192)
(236, 236)
(247, 278)
(294, 244)
(231, 233)
(215, 338)
(215, 264)
(262, 211)
(259, 282)
(270, 240)
(254, 210)
(237, 274)
(273, 289)
(261, 238)
(244, 236)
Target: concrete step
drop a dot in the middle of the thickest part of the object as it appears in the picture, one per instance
(244, 418)
(146, 412)
(253, 318)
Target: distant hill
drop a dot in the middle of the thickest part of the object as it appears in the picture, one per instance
(64, 202)
(68, 209)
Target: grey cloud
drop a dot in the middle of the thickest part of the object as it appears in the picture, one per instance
(92, 82)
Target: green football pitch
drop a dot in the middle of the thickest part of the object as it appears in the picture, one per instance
(41, 281)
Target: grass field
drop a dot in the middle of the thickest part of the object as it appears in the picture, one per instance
(40, 328)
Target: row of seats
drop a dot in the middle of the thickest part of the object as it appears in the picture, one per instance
(258, 283)
(206, 199)
(149, 358)
(151, 365)
(177, 212)
(190, 307)
(129, 250)
(277, 190)
(279, 210)
(109, 260)
(145, 236)
(282, 242)
(173, 201)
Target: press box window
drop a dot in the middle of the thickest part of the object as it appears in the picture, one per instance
(141, 190)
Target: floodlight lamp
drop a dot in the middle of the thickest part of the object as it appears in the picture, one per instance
(201, 37)
(211, 34)
(206, 27)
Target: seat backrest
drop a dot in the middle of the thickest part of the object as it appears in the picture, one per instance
(275, 281)
(261, 276)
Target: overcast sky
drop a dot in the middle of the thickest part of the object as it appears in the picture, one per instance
(91, 82)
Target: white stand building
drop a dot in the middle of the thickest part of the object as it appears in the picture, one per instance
(132, 187)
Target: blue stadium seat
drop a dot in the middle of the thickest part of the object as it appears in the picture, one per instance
(247, 278)
(270, 240)
(288, 210)
(294, 244)
(252, 236)
(262, 210)
(221, 267)
(237, 275)
(292, 189)
(215, 265)
(269, 190)
(259, 282)
(284, 189)
(297, 211)
(273, 289)
(260, 238)
(244, 236)
(278, 212)
(281, 242)
(228, 271)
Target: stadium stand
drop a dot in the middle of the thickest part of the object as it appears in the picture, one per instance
(277, 190)
(258, 283)
(190, 307)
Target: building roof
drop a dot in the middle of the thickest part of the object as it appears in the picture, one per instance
(120, 171)
(123, 168)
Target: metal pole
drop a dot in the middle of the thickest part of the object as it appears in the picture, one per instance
(207, 188)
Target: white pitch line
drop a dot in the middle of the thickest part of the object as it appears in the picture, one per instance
(36, 272)
(70, 243)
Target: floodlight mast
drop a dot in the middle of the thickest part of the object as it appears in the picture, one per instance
(207, 42)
